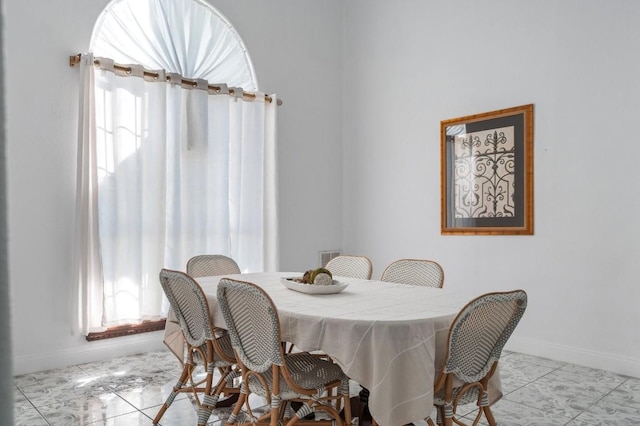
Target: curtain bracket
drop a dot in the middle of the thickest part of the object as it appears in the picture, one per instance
(74, 59)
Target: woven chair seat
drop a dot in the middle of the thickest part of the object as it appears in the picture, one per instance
(471, 396)
(306, 370)
(224, 343)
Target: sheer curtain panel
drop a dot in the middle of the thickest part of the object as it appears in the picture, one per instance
(166, 171)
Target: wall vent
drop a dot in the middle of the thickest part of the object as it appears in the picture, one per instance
(327, 255)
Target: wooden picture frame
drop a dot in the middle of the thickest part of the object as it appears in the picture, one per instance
(487, 173)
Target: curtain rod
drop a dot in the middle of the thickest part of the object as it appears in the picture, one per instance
(75, 59)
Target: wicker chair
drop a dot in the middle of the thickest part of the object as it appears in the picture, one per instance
(192, 312)
(351, 266)
(198, 266)
(422, 272)
(254, 326)
(206, 265)
(476, 338)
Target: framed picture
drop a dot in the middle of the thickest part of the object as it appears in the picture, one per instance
(487, 173)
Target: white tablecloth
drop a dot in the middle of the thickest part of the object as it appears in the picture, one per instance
(388, 337)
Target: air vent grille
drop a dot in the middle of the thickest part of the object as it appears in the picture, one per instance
(327, 255)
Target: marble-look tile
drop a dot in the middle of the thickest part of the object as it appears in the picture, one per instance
(185, 412)
(181, 412)
(156, 370)
(49, 379)
(621, 407)
(597, 417)
(149, 395)
(85, 410)
(586, 374)
(508, 413)
(129, 391)
(137, 418)
(515, 373)
(531, 359)
(150, 362)
(18, 396)
(26, 414)
(627, 394)
(563, 393)
(73, 391)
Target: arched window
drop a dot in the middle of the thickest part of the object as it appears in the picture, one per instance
(188, 37)
(174, 160)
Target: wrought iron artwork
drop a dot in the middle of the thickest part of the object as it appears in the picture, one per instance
(484, 176)
(487, 173)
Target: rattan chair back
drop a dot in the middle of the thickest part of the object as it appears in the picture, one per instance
(254, 327)
(421, 272)
(214, 352)
(351, 266)
(479, 332)
(189, 305)
(253, 324)
(206, 265)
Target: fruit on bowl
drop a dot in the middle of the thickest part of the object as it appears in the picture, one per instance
(319, 276)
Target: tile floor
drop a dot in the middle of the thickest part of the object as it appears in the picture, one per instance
(128, 392)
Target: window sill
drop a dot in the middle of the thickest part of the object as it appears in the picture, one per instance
(127, 330)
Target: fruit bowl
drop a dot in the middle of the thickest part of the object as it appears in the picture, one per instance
(334, 288)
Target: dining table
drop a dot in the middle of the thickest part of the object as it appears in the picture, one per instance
(390, 338)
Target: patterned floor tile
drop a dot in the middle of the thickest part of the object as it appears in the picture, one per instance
(129, 391)
(531, 359)
(627, 394)
(149, 395)
(85, 410)
(184, 412)
(609, 411)
(564, 393)
(515, 373)
(51, 379)
(26, 414)
(508, 413)
(137, 418)
(607, 378)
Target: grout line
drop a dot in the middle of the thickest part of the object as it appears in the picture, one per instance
(32, 404)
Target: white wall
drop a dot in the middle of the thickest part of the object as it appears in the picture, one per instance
(410, 64)
(296, 49)
(402, 66)
(6, 358)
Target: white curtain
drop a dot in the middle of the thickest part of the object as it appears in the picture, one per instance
(166, 172)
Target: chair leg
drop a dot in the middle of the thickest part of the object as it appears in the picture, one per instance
(447, 415)
(347, 408)
(236, 410)
(176, 389)
(489, 415)
(275, 417)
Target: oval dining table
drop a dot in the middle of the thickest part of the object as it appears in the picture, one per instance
(388, 337)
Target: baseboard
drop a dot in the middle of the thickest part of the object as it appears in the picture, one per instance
(601, 360)
(89, 352)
